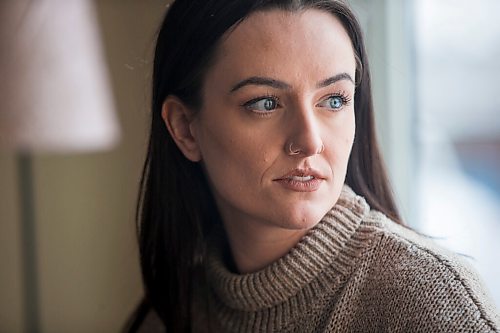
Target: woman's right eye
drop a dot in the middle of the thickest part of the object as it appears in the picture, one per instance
(262, 104)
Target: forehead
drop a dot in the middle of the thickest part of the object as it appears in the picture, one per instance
(308, 44)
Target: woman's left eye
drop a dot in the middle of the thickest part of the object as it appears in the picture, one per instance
(333, 102)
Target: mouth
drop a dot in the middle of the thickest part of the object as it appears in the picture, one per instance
(301, 180)
(302, 175)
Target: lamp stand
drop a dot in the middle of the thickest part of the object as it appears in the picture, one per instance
(28, 243)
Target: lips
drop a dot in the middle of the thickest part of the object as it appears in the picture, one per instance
(305, 180)
(300, 178)
(301, 175)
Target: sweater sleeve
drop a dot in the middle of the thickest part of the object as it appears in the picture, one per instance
(426, 289)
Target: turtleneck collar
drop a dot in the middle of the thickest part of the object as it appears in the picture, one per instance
(334, 241)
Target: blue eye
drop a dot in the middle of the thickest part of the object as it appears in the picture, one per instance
(263, 105)
(334, 102)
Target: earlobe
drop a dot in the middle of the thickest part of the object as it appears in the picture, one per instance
(178, 117)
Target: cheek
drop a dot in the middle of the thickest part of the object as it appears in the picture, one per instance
(341, 139)
(349, 141)
(230, 154)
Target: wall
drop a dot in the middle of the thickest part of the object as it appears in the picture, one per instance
(87, 258)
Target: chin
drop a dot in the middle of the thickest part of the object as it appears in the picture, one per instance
(303, 217)
(298, 215)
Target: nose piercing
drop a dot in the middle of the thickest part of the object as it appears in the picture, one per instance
(291, 151)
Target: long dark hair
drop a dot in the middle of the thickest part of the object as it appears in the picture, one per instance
(175, 209)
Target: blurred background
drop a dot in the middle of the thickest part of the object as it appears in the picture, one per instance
(436, 82)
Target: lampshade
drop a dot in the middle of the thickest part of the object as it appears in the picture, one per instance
(55, 94)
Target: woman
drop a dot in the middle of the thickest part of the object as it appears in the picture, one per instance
(264, 202)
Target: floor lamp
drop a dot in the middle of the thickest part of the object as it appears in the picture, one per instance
(55, 97)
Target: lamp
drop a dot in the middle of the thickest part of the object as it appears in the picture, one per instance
(55, 97)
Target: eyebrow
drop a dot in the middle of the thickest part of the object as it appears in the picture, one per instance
(265, 81)
(333, 79)
(261, 81)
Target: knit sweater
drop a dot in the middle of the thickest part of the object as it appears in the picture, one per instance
(355, 271)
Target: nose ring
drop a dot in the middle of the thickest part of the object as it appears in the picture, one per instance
(297, 151)
(291, 151)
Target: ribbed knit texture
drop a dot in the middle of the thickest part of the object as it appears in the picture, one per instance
(355, 271)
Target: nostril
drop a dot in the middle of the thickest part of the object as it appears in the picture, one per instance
(307, 149)
(293, 150)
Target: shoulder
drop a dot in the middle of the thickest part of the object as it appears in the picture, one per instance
(425, 283)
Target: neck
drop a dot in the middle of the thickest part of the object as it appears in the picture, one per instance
(257, 245)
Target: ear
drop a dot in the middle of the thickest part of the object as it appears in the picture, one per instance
(178, 118)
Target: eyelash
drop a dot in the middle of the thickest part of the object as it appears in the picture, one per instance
(346, 99)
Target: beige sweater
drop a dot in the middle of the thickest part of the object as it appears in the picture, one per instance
(356, 271)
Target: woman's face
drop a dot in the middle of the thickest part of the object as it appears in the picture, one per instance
(277, 123)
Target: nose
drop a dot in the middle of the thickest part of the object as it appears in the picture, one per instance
(305, 135)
